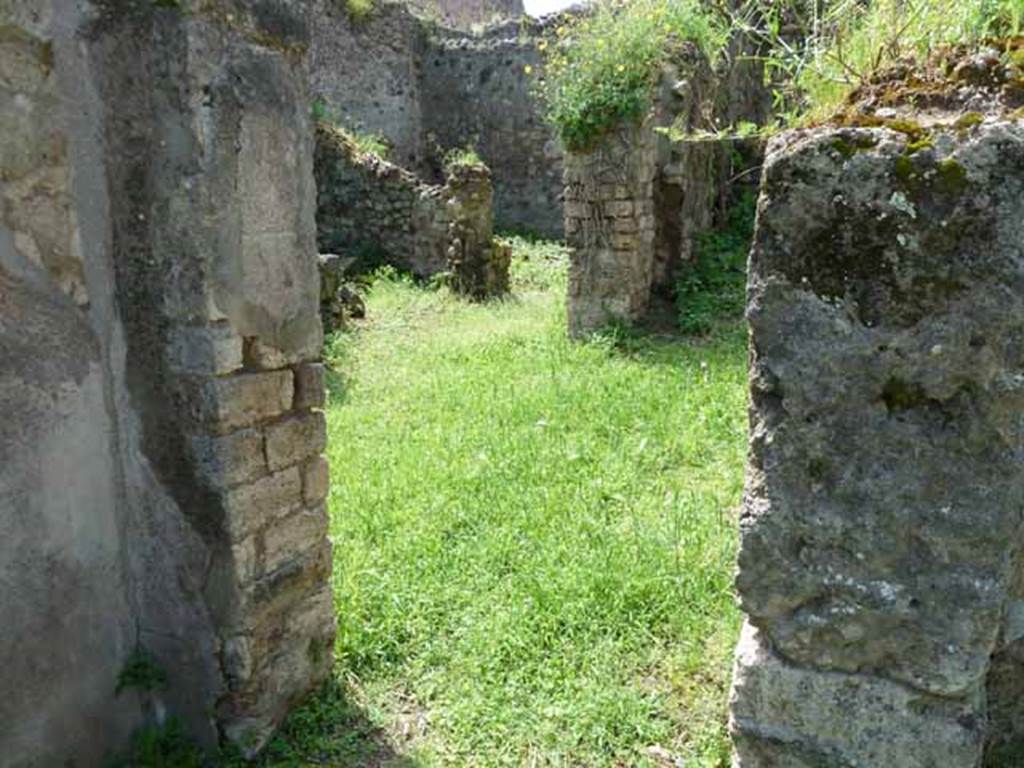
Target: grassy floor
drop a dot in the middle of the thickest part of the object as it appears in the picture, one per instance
(534, 539)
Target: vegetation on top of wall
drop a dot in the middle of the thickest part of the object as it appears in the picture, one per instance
(601, 67)
(821, 52)
(359, 10)
(366, 144)
(462, 157)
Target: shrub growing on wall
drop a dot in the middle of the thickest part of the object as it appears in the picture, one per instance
(601, 67)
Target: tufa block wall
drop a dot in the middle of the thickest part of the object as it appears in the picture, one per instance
(161, 483)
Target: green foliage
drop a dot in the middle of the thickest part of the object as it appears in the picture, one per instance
(538, 536)
(141, 672)
(601, 67)
(464, 156)
(166, 746)
(367, 144)
(714, 288)
(359, 10)
(841, 44)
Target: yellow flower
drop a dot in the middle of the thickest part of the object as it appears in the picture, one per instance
(543, 45)
(620, 68)
(528, 69)
(560, 31)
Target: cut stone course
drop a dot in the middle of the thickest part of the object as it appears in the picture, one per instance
(243, 400)
(295, 438)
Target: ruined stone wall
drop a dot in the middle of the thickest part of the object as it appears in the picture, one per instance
(880, 568)
(161, 489)
(663, 187)
(609, 228)
(477, 92)
(366, 73)
(465, 13)
(428, 90)
(375, 211)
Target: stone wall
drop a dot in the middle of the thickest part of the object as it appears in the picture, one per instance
(367, 73)
(636, 200)
(375, 211)
(466, 13)
(880, 567)
(609, 229)
(477, 92)
(428, 90)
(161, 484)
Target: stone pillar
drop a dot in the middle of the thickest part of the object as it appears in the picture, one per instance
(479, 266)
(609, 228)
(882, 524)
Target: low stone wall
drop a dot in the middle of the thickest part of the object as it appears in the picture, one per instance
(880, 567)
(161, 479)
(377, 213)
(374, 210)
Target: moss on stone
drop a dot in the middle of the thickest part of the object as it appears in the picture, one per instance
(848, 146)
(904, 169)
(951, 177)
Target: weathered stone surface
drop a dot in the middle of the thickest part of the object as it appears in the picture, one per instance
(610, 274)
(479, 266)
(296, 438)
(881, 520)
(156, 208)
(243, 400)
(229, 459)
(315, 480)
(785, 715)
(293, 537)
(309, 386)
(249, 508)
(214, 350)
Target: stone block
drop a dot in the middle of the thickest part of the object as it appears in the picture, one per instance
(879, 534)
(315, 480)
(785, 715)
(292, 538)
(249, 508)
(309, 386)
(296, 438)
(232, 459)
(207, 350)
(619, 208)
(241, 400)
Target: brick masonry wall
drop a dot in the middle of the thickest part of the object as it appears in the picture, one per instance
(609, 226)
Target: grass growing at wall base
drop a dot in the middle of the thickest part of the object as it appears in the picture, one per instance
(713, 289)
(534, 538)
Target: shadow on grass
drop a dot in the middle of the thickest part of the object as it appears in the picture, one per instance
(330, 730)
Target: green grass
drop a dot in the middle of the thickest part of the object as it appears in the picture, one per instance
(534, 539)
(714, 287)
